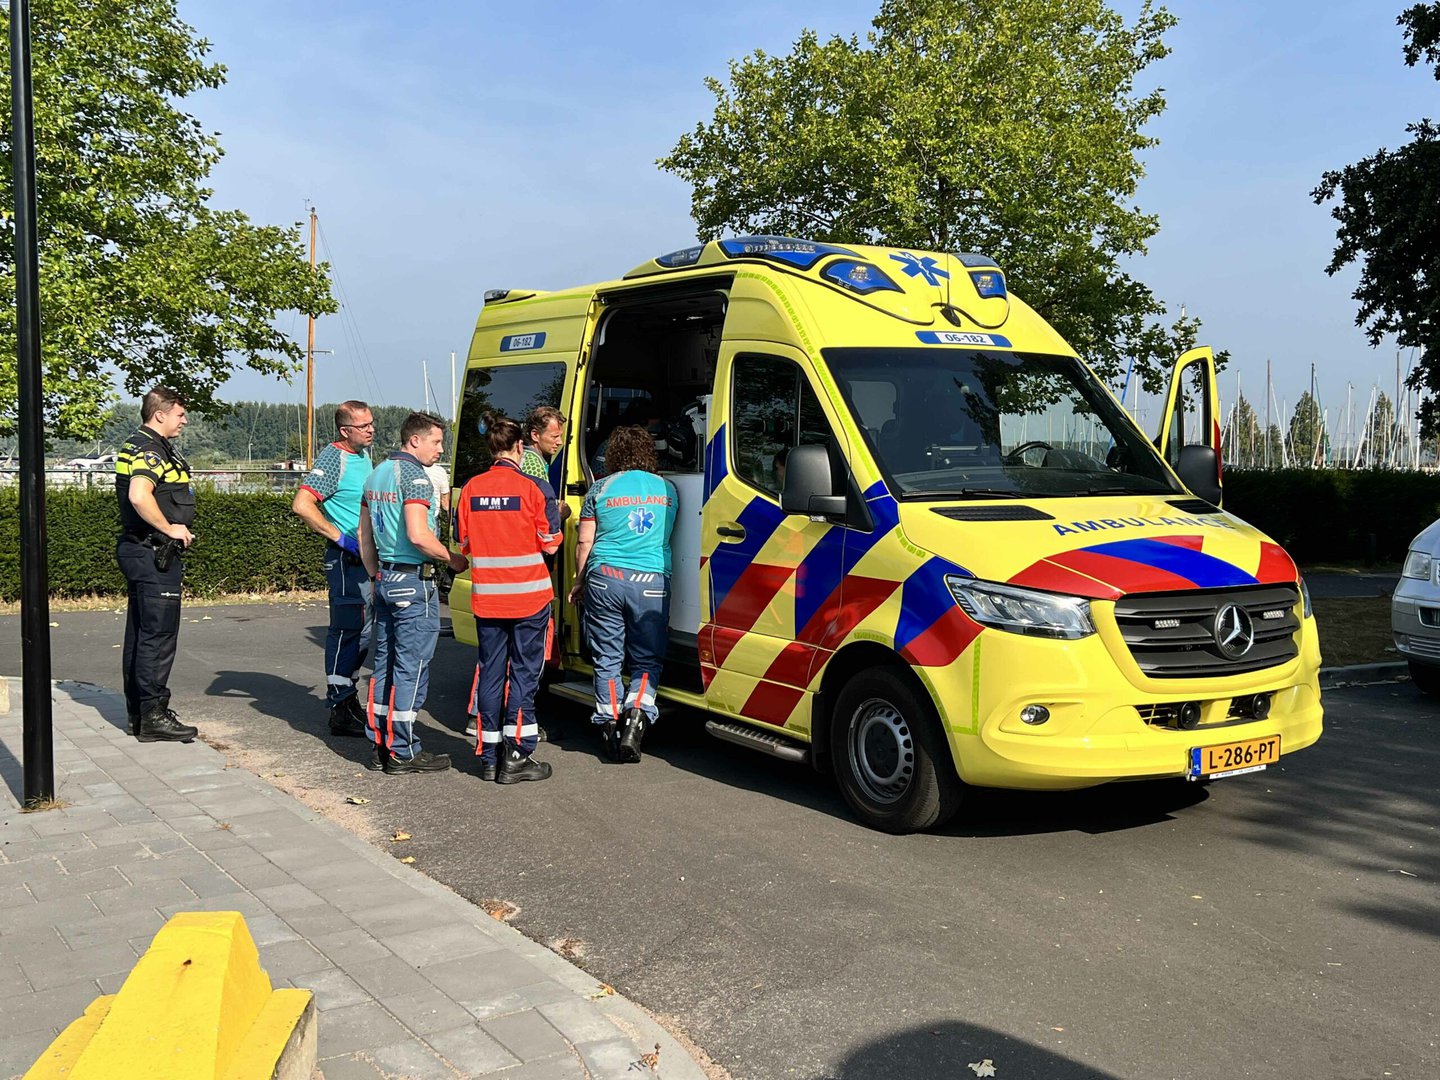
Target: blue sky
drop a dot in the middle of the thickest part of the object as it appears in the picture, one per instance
(454, 147)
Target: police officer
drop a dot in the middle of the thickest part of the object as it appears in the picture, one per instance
(397, 543)
(503, 524)
(329, 503)
(622, 575)
(157, 506)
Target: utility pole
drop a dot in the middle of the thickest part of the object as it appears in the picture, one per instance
(454, 398)
(310, 365)
(38, 735)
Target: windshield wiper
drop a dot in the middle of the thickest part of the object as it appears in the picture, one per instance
(967, 493)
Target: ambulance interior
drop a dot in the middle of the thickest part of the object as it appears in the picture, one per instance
(653, 364)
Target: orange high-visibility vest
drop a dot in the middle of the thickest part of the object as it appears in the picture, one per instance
(500, 523)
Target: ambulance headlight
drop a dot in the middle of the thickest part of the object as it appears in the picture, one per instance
(1306, 608)
(1022, 611)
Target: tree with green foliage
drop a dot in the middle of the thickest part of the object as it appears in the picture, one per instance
(1380, 431)
(1306, 433)
(1011, 129)
(140, 275)
(1389, 215)
(1244, 440)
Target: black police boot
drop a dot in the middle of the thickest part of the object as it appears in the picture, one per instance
(134, 719)
(516, 767)
(488, 770)
(422, 762)
(160, 724)
(376, 761)
(633, 735)
(347, 718)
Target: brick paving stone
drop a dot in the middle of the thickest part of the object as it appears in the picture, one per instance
(46, 1009)
(412, 1060)
(209, 882)
(351, 1067)
(527, 1035)
(357, 1027)
(18, 1052)
(291, 897)
(470, 1050)
(260, 875)
(389, 976)
(150, 894)
(68, 966)
(98, 930)
(577, 1021)
(427, 1011)
(438, 944)
(495, 1003)
(333, 989)
(395, 918)
(92, 881)
(63, 912)
(288, 959)
(313, 922)
(270, 928)
(476, 976)
(553, 1068)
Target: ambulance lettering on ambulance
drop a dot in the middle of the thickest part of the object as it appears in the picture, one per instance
(918, 544)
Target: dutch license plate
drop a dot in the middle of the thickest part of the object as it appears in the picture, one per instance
(1232, 759)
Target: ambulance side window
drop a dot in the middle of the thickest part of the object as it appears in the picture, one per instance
(774, 410)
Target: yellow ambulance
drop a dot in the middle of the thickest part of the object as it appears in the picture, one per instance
(920, 545)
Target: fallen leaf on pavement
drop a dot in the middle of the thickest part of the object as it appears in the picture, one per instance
(356, 800)
(408, 859)
(652, 1060)
(605, 991)
(399, 836)
(501, 910)
(983, 1068)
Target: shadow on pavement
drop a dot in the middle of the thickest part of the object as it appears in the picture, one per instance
(954, 1049)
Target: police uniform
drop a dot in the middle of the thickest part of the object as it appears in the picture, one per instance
(407, 613)
(337, 480)
(153, 569)
(504, 526)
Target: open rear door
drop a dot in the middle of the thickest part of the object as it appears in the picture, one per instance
(1189, 437)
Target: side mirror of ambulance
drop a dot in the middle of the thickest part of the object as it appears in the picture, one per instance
(1199, 470)
(810, 484)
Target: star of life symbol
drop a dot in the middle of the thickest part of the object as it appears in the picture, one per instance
(641, 521)
(926, 268)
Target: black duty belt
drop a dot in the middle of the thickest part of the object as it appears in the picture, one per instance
(345, 556)
(424, 569)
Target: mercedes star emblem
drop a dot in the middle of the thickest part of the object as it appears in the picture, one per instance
(1234, 632)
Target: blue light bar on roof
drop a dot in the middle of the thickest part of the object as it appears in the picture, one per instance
(801, 254)
(974, 258)
(858, 277)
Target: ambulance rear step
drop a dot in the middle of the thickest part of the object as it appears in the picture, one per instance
(774, 745)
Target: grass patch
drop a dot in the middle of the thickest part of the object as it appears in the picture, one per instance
(117, 603)
(1355, 630)
(39, 806)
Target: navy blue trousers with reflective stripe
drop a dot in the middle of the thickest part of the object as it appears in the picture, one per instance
(627, 626)
(345, 642)
(508, 715)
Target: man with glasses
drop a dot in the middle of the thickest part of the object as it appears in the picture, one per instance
(329, 503)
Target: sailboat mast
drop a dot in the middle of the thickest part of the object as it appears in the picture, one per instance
(310, 365)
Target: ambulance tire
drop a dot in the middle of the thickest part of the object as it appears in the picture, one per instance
(890, 759)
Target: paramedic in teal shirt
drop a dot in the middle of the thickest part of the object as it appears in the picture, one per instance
(329, 503)
(399, 545)
(622, 576)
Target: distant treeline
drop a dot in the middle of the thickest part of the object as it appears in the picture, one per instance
(258, 432)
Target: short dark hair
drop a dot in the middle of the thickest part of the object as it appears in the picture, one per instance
(540, 417)
(158, 399)
(346, 411)
(418, 423)
(501, 433)
(630, 447)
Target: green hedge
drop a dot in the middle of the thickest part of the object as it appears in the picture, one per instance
(244, 542)
(251, 542)
(1336, 516)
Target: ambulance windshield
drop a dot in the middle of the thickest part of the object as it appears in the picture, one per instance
(956, 423)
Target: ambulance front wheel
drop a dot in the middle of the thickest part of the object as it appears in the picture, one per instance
(890, 759)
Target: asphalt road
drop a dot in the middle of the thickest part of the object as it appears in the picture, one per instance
(1285, 924)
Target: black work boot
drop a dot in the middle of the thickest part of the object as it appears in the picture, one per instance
(378, 756)
(134, 719)
(610, 737)
(633, 735)
(160, 724)
(488, 770)
(347, 718)
(516, 767)
(422, 762)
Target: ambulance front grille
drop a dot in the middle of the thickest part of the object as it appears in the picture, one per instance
(1172, 635)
